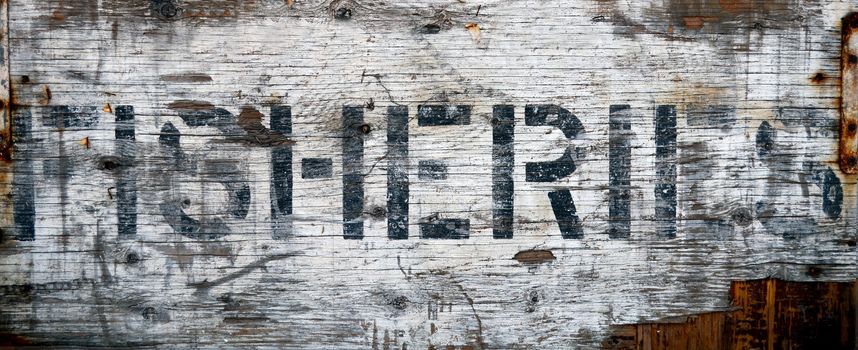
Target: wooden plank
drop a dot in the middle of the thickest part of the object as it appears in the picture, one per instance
(419, 174)
(6, 136)
(769, 314)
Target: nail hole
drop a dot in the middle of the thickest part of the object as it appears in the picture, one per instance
(742, 217)
(378, 212)
(400, 302)
(344, 13)
(365, 128)
(149, 313)
(814, 271)
(818, 78)
(431, 28)
(168, 10)
(109, 163)
(132, 258)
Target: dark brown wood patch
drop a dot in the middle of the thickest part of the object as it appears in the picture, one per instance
(769, 314)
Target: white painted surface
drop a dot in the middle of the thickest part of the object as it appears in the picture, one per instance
(317, 290)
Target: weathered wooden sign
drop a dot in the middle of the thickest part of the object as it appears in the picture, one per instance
(445, 174)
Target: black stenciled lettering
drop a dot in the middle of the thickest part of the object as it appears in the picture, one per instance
(503, 166)
(71, 116)
(397, 173)
(435, 228)
(665, 171)
(432, 227)
(431, 170)
(561, 201)
(353, 131)
(443, 114)
(620, 163)
(566, 214)
(23, 187)
(281, 174)
(568, 123)
(226, 172)
(126, 184)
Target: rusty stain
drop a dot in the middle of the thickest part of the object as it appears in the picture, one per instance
(474, 29)
(534, 256)
(48, 95)
(697, 22)
(848, 149)
(7, 144)
(85, 142)
(186, 78)
(768, 313)
(736, 7)
(190, 106)
(289, 3)
(7, 148)
(58, 16)
(107, 108)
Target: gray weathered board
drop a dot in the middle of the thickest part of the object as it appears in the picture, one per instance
(373, 174)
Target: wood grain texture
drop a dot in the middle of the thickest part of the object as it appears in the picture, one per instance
(153, 140)
(767, 314)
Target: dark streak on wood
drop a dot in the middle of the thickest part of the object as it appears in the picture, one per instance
(204, 286)
(534, 256)
(186, 78)
(190, 106)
